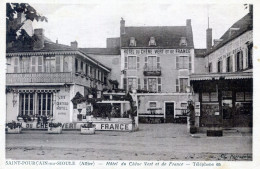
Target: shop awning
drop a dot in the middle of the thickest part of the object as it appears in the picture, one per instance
(217, 76)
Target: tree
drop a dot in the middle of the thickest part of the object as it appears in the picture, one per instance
(13, 24)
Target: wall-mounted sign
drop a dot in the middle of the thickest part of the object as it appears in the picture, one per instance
(197, 108)
(81, 105)
(156, 51)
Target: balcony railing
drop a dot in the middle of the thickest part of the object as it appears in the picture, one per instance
(152, 71)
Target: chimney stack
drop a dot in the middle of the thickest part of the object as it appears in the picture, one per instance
(74, 44)
(188, 22)
(209, 38)
(122, 26)
(250, 8)
(39, 43)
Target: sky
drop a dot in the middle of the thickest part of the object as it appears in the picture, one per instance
(91, 23)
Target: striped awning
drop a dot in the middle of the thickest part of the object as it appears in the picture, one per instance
(217, 76)
(37, 91)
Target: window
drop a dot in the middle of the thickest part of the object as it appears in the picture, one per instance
(131, 62)
(183, 84)
(239, 61)
(250, 56)
(152, 63)
(228, 68)
(45, 105)
(76, 65)
(81, 66)
(152, 41)
(36, 103)
(50, 64)
(86, 69)
(33, 64)
(132, 83)
(182, 62)
(58, 63)
(159, 85)
(25, 64)
(152, 84)
(219, 66)
(210, 97)
(210, 67)
(132, 41)
(26, 103)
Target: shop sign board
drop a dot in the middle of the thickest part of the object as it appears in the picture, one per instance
(197, 108)
(98, 125)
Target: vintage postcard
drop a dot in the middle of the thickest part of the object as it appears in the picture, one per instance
(134, 84)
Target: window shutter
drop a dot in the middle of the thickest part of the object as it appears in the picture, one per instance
(190, 62)
(145, 61)
(177, 62)
(125, 83)
(16, 64)
(139, 84)
(159, 84)
(158, 62)
(145, 83)
(177, 85)
(241, 60)
(40, 64)
(33, 63)
(86, 69)
(246, 57)
(125, 62)
(138, 62)
(231, 63)
(57, 63)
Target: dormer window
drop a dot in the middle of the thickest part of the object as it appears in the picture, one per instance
(183, 41)
(152, 41)
(132, 41)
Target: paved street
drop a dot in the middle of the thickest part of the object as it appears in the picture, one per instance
(151, 142)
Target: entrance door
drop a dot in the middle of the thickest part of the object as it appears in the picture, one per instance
(169, 112)
(227, 113)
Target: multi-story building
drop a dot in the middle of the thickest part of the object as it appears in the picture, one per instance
(156, 62)
(223, 78)
(41, 80)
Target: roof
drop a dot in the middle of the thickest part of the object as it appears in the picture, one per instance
(165, 36)
(48, 46)
(54, 48)
(244, 24)
(101, 51)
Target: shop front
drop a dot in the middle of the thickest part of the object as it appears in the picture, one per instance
(225, 100)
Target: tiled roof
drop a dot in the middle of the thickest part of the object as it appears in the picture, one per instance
(165, 36)
(244, 24)
(101, 51)
(48, 46)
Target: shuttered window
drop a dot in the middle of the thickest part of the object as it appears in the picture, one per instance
(177, 62)
(158, 62)
(139, 84)
(190, 63)
(125, 62)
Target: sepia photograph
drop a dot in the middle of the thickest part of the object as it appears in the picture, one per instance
(129, 81)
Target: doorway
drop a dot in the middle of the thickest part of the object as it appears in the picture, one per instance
(169, 112)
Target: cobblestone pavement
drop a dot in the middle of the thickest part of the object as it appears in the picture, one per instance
(151, 142)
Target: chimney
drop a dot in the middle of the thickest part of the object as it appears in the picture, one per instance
(39, 43)
(74, 44)
(188, 22)
(209, 38)
(250, 8)
(122, 26)
(57, 42)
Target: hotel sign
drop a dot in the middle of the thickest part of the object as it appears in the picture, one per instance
(156, 51)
